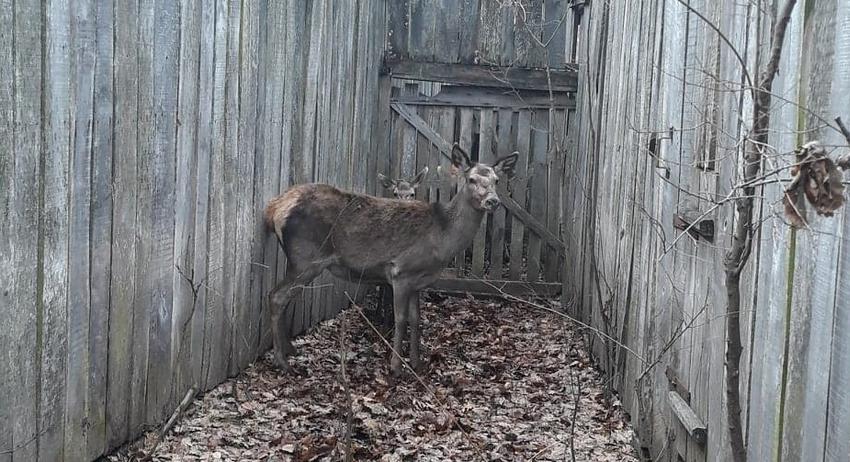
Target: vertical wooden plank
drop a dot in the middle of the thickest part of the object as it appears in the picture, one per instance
(485, 154)
(166, 48)
(408, 148)
(468, 28)
(184, 303)
(837, 425)
(230, 178)
(54, 226)
(421, 42)
(244, 341)
(79, 288)
(446, 26)
(554, 171)
(101, 229)
(216, 323)
(555, 30)
(397, 29)
(519, 186)
(273, 93)
(205, 144)
(425, 156)
(382, 143)
(23, 207)
(446, 130)
(7, 274)
(122, 283)
(143, 232)
(293, 116)
(497, 239)
(537, 189)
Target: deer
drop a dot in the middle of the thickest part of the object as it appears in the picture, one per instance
(363, 238)
(401, 188)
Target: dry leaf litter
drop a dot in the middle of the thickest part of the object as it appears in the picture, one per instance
(500, 383)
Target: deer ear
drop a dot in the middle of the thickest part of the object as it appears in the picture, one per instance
(385, 182)
(419, 177)
(460, 158)
(506, 164)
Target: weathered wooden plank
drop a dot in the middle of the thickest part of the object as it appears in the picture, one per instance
(518, 187)
(693, 424)
(383, 131)
(408, 137)
(483, 97)
(398, 29)
(446, 21)
(247, 218)
(216, 323)
(79, 264)
(184, 299)
(54, 229)
(485, 154)
(101, 228)
(555, 30)
(230, 181)
(485, 76)
(272, 90)
(23, 207)
(166, 48)
(144, 204)
(554, 171)
(537, 189)
(446, 130)
(426, 158)
(497, 234)
(422, 36)
(205, 144)
(468, 28)
(409, 115)
(122, 283)
(7, 274)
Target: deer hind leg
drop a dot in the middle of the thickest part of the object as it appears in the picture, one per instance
(401, 296)
(413, 320)
(280, 299)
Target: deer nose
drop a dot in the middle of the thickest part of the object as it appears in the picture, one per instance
(491, 203)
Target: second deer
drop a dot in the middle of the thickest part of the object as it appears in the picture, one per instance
(401, 188)
(377, 240)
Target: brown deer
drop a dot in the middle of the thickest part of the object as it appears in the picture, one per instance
(401, 188)
(377, 240)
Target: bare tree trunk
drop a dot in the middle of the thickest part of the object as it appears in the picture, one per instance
(739, 254)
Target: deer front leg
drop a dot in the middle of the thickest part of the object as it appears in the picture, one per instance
(413, 320)
(401, 295)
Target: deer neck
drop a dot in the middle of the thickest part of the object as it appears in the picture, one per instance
(464, 221)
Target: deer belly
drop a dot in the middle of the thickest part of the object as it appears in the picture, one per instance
(366, 275)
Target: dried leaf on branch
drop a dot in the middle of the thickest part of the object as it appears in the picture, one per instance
(818, 179)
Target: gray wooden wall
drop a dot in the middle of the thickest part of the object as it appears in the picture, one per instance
(139, 141)
(528, 33)
(648, 65)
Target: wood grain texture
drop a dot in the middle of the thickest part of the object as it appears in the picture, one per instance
(487, 135)
(101, 227)
(7, 284)
(165, 67)
(79, 288)
(519, 187)
(537, 187)
(183, 279)
(54, 226)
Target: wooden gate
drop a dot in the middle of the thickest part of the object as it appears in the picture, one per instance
(518, 248)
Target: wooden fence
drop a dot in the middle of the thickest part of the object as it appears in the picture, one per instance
(138, 142)
(660, 143)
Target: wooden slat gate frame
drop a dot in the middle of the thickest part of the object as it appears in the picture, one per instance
(544, 232)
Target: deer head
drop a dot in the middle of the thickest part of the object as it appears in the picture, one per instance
(478, 181)
(401, 188)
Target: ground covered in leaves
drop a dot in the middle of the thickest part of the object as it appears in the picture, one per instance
(503, 381)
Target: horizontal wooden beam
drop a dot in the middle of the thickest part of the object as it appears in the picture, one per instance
(689, 419)
(488, 287)
(485, 76)
(490, 98)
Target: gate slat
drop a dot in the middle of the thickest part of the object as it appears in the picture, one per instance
(467, 121)
(519, 184)
(497, 240)
(555, 171)
(537, 176)
(485, 154)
